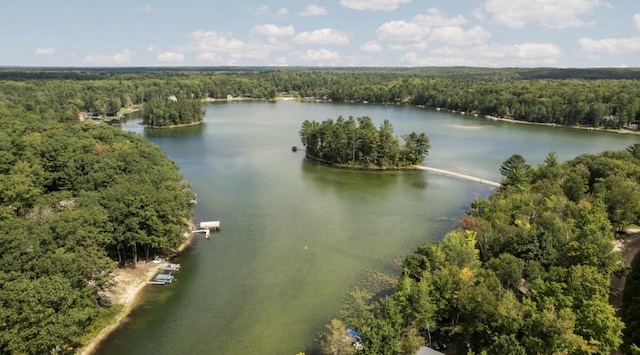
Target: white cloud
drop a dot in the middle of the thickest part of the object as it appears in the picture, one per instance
(262, 10)
(321, 37)
(210, 57)
(596, 49)
(432, 25)
(548, 14)
(321, 57)
(273, 30)
(45, 51)
(435, 18)
(373, 5)
(477, 13)
(416, 46)
(313, 10)
(280, 62)
(454, 35)
(119, 58)
(371, 46)
(636, 21)
(543, 53)
(146, 8)
(496, 55)
(282, 12)
(401, 31)
(211, 41)
(170, 57)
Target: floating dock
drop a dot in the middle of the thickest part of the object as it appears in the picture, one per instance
(215, 225)
(206, 227)
(162, 279)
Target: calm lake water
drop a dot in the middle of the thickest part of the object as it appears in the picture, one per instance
(297, 237)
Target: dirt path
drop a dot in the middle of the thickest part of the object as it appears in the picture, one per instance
(629, 246)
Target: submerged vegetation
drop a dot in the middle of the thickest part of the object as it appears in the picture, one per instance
(358, 143)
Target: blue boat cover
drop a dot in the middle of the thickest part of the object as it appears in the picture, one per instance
(353, 333)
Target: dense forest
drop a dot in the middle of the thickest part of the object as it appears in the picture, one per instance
(608, 98)
(356, 142)
(172, 111)
(76, 200)
(527, 272)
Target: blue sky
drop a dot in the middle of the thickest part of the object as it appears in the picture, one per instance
(405, 33)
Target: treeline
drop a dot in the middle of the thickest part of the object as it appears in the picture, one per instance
(631, 309)
(358, 143)
(172, 111)
(607, 98)
(527, 272)
(76, 200)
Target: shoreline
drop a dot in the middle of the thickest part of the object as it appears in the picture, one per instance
(471, 114)
(129, 287)
(176, 125)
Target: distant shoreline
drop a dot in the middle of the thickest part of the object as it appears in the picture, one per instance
(175, 126)
(474, 115)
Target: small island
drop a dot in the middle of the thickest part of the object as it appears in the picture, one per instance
(358, 143)
(172, 112)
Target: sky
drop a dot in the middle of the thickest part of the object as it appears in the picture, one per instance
(358, 33)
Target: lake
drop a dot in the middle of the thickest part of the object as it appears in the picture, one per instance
(297, 237)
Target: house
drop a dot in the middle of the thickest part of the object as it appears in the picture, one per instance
(172, 98)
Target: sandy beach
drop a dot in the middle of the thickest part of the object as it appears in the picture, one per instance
(129, 283)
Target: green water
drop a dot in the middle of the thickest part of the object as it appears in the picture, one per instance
(297, 237)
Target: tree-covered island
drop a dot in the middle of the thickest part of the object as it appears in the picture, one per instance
(356, 142)
(172, 111)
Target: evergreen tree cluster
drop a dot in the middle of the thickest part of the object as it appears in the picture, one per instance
(356, 142)
(172, 112)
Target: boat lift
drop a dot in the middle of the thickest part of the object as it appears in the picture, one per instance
(207, 226)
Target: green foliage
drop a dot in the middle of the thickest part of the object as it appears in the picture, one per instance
(358, 143)
(74, 198)
(167, 112)
(631, 307)
(73, 195)
(515, 171)
(336, 341)
(530, 273)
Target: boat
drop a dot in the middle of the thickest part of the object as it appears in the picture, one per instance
(294, 149)
(162, 279)
(170, 267)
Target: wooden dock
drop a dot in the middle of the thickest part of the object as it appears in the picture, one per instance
(460, 176)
